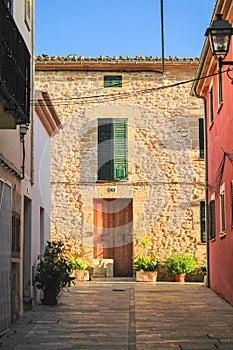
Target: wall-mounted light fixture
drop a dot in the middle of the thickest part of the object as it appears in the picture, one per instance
(23, 130)
(219, 35)
(112, 189)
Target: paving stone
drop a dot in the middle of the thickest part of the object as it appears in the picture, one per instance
(127, 316)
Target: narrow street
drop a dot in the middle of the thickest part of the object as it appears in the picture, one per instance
(127, 316)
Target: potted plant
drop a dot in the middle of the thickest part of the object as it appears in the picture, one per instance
(80, 268)
(180, 265)
(204, 271)
(53, 273)
(146, 268)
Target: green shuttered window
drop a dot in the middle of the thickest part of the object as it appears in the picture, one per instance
(212, 230)
(202, 222)
(112, 149)
(211, 106)
(220, 99)
(201, 138)
(231, 204)
(222, 208)
(112, 81)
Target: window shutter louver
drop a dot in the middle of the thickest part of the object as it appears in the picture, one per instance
(120, 149)
(222, 204)
(201, 138)
(212, 233)
(202, 222)
(231, 204)
(105, 149)
(112, 149)
(113, 81)
(211, 102)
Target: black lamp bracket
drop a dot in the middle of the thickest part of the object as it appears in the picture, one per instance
(224, 63)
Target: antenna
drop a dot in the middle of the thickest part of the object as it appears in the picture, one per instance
(162, 32)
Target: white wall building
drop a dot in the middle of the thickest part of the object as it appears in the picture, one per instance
(45, 124)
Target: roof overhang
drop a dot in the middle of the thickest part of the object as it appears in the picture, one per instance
(45, 63)
(46, 112)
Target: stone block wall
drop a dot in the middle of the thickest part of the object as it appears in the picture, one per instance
(166, 175)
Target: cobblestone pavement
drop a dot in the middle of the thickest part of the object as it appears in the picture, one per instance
(127, 315)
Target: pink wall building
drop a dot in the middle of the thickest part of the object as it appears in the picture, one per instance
(214, 85)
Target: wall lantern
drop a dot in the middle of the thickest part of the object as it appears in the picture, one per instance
(219, 35)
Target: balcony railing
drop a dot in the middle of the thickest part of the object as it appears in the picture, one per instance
(14, 69)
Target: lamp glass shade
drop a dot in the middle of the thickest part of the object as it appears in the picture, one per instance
(219, 42)
(219, 35)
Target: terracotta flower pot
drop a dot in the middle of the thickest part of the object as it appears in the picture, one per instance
(180, 277)
(81, 275)
(146, 276)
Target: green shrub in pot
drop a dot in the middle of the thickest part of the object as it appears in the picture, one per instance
(54, 272)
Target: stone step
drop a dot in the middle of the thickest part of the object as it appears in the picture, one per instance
(112, 279)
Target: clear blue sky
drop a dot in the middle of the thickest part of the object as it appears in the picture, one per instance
(124, 27)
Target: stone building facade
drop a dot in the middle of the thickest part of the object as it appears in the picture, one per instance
(159, 194)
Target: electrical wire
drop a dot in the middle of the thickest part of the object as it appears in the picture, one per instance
(121, 95)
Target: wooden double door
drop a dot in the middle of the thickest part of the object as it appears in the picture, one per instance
(113, 237)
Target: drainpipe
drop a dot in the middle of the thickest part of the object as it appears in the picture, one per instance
(23, 131)
(206, 189)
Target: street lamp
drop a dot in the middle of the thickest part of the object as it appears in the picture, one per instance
(219, 35)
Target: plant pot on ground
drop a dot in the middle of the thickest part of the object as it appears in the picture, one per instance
(80, 268)
(146, 268)
(181, 264)
(204, 271)
(53, 273)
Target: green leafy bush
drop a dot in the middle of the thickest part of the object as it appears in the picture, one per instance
(204, 269)
(53, 271)
(146, 263)
(78, 264)
(181, 263)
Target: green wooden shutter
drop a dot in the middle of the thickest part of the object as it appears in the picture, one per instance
(212, 232)
(231, 205)
(211, 108)
(120, 132)
(201, 138)
(223, 217)
(220, 86)
(202, 222)
(105, 149)
(112, 81)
